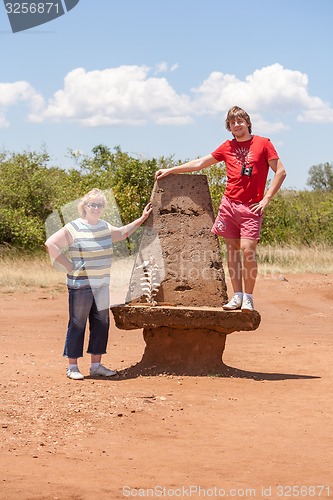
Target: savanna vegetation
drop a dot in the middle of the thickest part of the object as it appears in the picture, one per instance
(31, 190)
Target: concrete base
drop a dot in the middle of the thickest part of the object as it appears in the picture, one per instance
(186, 331)
(183, 340)
(132, 317)
(182, 351)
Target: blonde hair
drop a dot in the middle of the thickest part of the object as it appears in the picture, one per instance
(94, 193)
(237, 112)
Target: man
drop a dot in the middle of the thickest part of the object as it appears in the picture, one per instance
(247, 158)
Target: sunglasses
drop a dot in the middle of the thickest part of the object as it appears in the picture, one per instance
(95, 205)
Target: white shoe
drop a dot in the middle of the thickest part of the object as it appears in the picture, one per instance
(102, 371)
(74, 374)
(247, 305)
(235, 303)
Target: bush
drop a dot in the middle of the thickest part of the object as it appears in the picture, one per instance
(31, 190)
(299, 217)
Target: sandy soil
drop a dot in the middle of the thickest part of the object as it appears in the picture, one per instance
(265, 428)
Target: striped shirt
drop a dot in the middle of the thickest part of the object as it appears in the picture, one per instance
(90, 252)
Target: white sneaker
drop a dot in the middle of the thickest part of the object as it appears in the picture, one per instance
(235, 303)
(247, 305)
(74, 374)
(102, 371)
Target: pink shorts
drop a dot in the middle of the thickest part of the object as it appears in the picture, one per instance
(235, 220)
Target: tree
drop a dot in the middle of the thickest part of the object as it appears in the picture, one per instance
(28, 191)
(131, 179)
(321, 177)
(217, 179)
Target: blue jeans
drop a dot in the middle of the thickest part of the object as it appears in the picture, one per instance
(85, 304)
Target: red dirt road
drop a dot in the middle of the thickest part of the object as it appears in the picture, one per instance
(257, 433)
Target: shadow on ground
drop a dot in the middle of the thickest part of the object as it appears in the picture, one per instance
(140, 370)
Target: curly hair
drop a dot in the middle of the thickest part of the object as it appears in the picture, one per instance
(92, 195)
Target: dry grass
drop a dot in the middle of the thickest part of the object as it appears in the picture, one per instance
(294, 259)
(23, 273)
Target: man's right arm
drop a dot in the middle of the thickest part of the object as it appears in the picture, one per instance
(190, 166)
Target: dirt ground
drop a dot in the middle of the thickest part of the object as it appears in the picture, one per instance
(263, 431)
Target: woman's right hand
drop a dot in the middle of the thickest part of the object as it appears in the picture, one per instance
(70, 267)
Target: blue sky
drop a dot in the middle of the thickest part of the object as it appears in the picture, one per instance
(156, 77)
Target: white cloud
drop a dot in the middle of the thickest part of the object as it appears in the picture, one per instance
(163, 67)
(129, 95)
(272, 89)
(262, 126)
(12, 94)
(117, 96)
(318, 114)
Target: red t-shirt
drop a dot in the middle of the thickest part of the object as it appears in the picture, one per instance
(255, 153)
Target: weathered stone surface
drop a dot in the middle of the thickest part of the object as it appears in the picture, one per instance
(180, 228)
(131, 317)
(182, 351)
(186, 331)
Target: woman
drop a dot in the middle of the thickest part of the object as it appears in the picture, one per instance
(88, 243)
